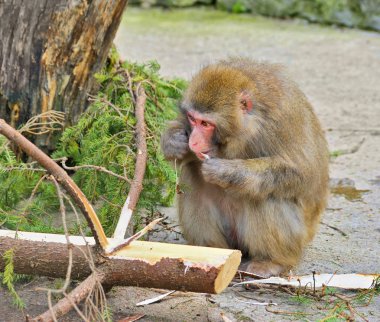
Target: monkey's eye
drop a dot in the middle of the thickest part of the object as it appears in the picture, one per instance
(205, 124)
(191, 118)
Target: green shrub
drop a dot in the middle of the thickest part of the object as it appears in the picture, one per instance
(103, 136)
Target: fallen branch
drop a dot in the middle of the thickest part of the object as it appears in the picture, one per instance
(141, 158)
(76, 296)
(61, 176)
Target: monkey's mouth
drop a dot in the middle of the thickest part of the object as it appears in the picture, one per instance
(203, 155)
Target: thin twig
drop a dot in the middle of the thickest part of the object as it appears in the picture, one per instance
(335, 228)
(103, 100)
(69, 245)
(26, 168)
(31, 197)
(355, 312)
(93, 167)
(286, 312)
(63, 289)
(249, 274)
(112, 249)
(50, 304)
(49, 122)
(129, 81)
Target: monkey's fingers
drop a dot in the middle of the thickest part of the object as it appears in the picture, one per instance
(181, 137)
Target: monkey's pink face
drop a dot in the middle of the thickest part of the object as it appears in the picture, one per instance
(202, 129)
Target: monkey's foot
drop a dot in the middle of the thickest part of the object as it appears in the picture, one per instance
(265, 269)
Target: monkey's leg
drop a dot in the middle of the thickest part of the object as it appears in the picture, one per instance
(264, 269)
(200, 221)
(275, 234)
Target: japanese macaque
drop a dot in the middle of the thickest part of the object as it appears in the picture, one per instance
(254, 164)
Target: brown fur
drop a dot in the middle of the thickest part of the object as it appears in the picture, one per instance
(266, 185)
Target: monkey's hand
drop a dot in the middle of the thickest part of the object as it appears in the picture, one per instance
(175, 144)
(222, 172)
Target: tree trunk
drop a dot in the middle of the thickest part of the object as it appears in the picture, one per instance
(144, 264)
(49, 52)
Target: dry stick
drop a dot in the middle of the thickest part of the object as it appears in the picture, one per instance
(141, 159)
(87, 255)
(48, 120)
(129, 80)
(112, 249)
(70, 248)
(335, 228)
(76, 296)
(94, 167)
(31, 197)
(61, 176)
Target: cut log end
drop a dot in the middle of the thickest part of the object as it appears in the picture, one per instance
(228, 271)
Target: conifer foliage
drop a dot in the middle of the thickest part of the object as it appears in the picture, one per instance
(104, 136)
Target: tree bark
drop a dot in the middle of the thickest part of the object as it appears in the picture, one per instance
(49, 52)
(143, 264)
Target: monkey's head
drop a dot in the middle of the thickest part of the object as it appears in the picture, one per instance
(218, 107)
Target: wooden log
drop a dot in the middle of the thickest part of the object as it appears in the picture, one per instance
(144, 264)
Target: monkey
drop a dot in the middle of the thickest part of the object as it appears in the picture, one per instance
(253, 163)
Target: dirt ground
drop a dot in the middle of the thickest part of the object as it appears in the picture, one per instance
(339, 70)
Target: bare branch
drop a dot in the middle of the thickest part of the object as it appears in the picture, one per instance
(141, 159)
(94, 167)
(61, 176)
(64, 305)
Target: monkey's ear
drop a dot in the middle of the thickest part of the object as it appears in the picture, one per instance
(246, 103)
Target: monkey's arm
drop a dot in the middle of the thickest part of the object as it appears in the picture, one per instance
(254, 177)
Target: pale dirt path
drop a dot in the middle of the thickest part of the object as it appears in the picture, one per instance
(339, 70)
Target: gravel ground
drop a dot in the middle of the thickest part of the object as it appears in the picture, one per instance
(338, 69)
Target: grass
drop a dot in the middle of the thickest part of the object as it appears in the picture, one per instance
(205, 20)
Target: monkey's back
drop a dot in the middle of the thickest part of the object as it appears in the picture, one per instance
(297, 133)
